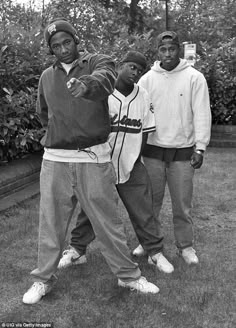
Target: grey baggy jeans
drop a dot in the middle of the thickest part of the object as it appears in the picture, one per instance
(93, 185)
(178, 175)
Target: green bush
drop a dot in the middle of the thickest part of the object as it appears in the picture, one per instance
(20, 128)
(218, 66)
(23, 57)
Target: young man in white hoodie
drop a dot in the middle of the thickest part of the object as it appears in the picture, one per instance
(180, 97)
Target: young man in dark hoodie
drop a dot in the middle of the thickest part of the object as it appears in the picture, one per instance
(73, 107)
(132, 119)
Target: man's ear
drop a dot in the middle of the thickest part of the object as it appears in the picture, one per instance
(117, 67)
(77, 40)
(120, 65)
(49, 51)
(157, 55)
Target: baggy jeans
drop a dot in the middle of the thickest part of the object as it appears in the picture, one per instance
(136, 194)
(179, 177)
(93, 185)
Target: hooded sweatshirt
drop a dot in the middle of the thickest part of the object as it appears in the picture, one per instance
(181, 105)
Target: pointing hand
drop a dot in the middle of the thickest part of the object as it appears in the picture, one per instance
(76, 87)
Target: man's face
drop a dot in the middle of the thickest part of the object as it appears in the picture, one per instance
(130, 73)
(168, 54)
(64, 47)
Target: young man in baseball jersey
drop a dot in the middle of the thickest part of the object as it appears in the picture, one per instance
(132, 119)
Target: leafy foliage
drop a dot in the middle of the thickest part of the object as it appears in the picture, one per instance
(22, 59)
(219, 67)
(20, 129)
(110, 27)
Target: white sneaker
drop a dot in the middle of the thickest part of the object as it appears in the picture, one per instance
(189, 255)
(71, 257)
(161, 262)
(141, 285)
(36, 292)
(139, 251)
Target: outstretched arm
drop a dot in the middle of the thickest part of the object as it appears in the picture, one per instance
(99, 84)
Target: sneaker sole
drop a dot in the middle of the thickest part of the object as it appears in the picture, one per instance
(150, 262)
(191, 263)
(123, 285)
(30, 302)
(181, 256)
(73, 262)
(37, 299)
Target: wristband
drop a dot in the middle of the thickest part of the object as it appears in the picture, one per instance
(199, 151)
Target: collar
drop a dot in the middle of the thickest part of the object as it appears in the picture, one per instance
(81, 61)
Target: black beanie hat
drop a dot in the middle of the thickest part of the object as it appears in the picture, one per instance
(135, 57)
(59, 25)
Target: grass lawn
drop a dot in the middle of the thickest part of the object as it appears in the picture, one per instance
(87, 296)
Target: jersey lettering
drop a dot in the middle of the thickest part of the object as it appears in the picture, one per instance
(125, 124)
(151, 108)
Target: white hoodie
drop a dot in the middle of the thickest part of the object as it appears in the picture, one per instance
(181, 105)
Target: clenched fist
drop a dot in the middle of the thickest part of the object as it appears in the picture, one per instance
(196, 160)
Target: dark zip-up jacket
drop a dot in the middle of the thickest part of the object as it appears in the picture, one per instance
(70, 122)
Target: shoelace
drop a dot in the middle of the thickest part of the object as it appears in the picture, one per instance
(66, 252)
(190, 250)
(39, 287)
(157, 257)
(141, 281)
(74, 258)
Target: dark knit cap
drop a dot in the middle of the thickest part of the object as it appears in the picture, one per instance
(58, 25)
(167, 34)
(135, 57)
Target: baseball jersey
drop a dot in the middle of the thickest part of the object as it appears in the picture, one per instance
(131, 116)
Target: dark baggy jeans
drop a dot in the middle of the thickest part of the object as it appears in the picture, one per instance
(136, 194)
